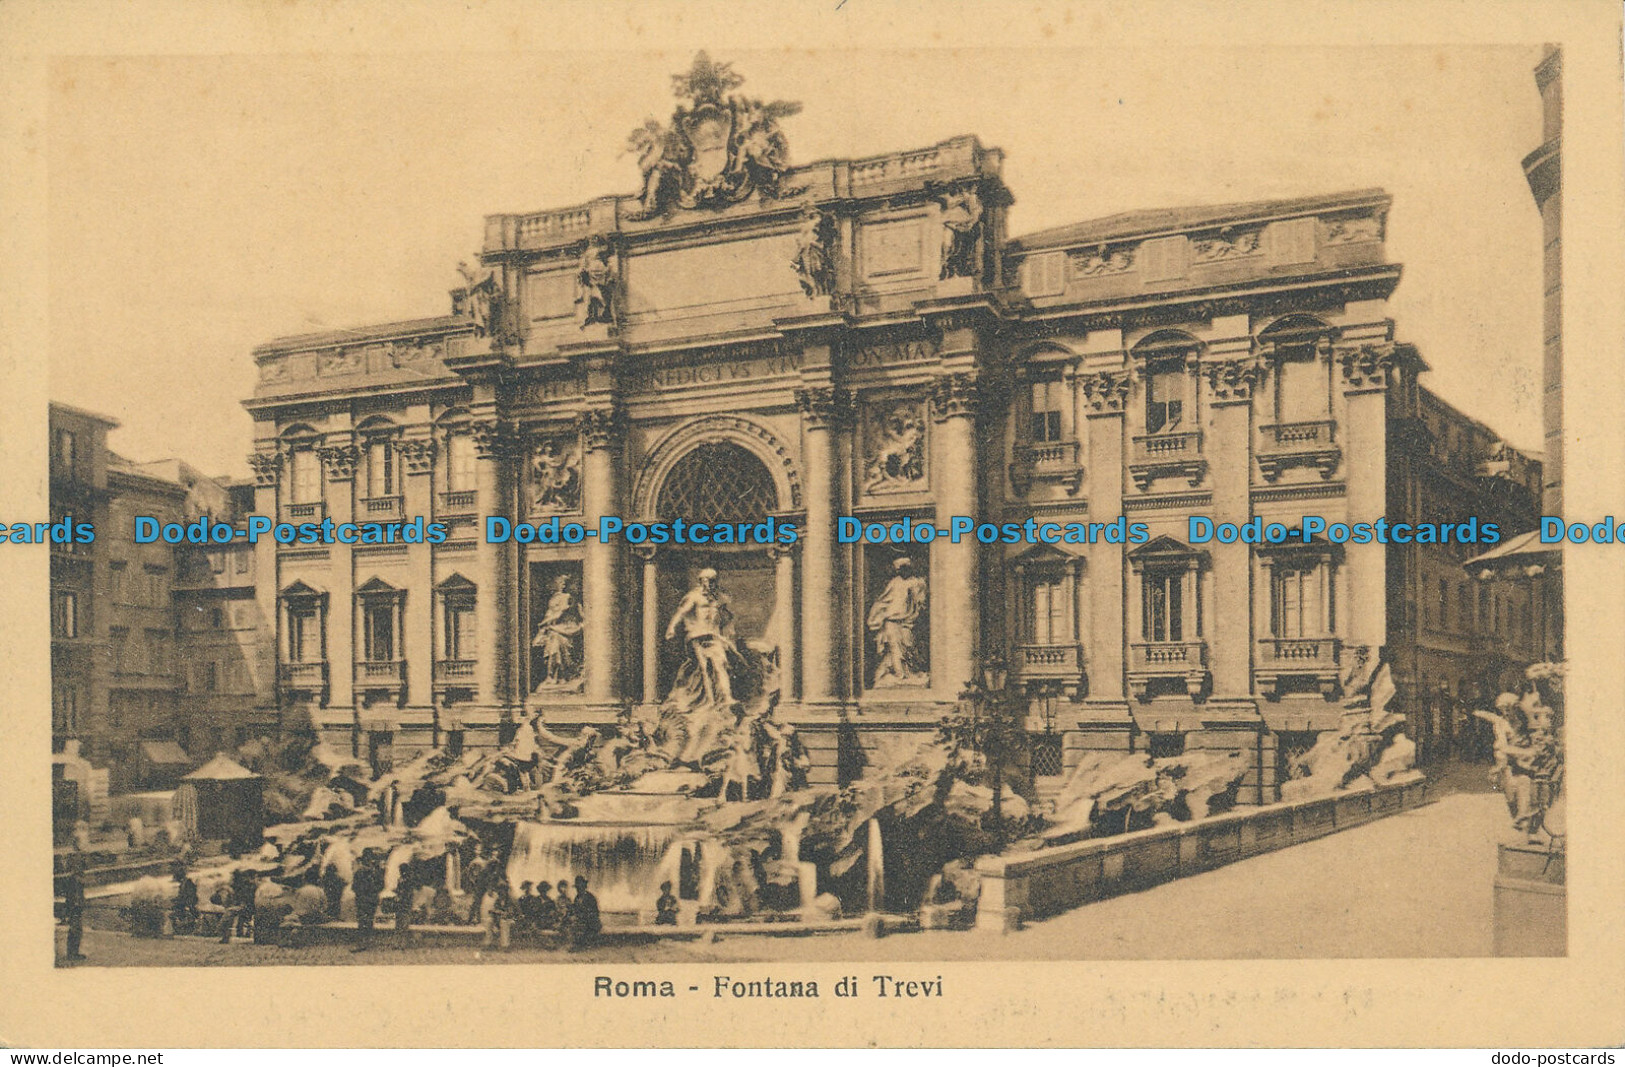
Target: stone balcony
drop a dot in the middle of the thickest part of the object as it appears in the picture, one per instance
(1046, 461)
(384, 675)
(459, 502)
(380, 508)
(454, 673)
(306, 677)
(314, 511)
(1166, 455)
(1180, 662)
(1314, 659)
(1061, 663)
(1298, 444)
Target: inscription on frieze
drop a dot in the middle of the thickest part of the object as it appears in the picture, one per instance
(715, 372)
(901, 352)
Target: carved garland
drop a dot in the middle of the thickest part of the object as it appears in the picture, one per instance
(1367, 367)
(826, 406)
(417, 453)
(1233, 380)
(1106, 391)
(340, 461)
(266, 467)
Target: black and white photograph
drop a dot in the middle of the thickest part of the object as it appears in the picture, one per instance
(671, 515)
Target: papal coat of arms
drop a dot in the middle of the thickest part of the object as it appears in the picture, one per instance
(717, 150)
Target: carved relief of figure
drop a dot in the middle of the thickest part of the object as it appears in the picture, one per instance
(555, 482)
(812, 263)
(662, 155)
(595, 284)
(479, 299)
(558, 635)
(896, 459)
(895, 618)
(707, 624)
(961, 232)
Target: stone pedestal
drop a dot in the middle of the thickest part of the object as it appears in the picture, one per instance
(1531, 901)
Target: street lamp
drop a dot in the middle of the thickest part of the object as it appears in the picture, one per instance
(986, 693)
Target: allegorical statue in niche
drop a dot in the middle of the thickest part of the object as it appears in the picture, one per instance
(595, 284)
(707, 623)
(961, 232)
(558, 635)
(897, 453)
(812, 263)
(896, 618)
(555, 477)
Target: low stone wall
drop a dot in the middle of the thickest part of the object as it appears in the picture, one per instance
(1033, 885)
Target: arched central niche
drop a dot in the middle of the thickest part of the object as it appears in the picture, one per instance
(717, 482)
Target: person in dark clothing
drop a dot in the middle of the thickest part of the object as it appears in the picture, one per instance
(73, 909)
(332, 884)
(666, 906)
(244, 885)
(525, 909)
(547, 911)
(368, 885)
(583, 924)
(406, 887)
(184, 909)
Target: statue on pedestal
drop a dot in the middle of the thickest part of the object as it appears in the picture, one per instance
(558, 635)
(961, 232)
(813, 266)
(595, 284)
(707, 624)
(894, 618)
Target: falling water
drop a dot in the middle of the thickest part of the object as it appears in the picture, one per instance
(877, 868)
(399, 856)
(396, 815)
(623, 864)
(454, 871)
(806, 873)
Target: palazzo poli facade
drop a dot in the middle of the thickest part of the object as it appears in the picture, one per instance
(745, 338)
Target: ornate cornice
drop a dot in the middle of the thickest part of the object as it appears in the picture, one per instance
(266, 467)
(1105, 391)
(955, 396)
(826, 407)
(1232, 381)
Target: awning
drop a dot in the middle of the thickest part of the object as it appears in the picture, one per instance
(1524, 554)
(164, 754)
(221, 769)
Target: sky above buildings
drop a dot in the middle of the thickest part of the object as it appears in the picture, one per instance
(202, 205)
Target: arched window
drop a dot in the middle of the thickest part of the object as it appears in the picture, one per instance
(1303, 384)
(718, 481)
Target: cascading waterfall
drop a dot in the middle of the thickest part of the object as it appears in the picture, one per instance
(806, 873)
(623, 864)
(454, 871)
(877, 868)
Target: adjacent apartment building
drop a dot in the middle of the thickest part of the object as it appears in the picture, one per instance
(745, 338)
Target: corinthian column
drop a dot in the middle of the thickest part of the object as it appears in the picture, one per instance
(651, 624)
(602, 596)
(955, 588)
(826, 415)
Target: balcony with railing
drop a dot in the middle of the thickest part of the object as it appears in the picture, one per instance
(454, 673)
(1298, 444)
(458, 502)
(312, 511)
(1312, 660)
(1046, 461)
(1166, 455)
(1051, 663)
(304, 677)
(380, 508)
(1183, 663)
(380, 674)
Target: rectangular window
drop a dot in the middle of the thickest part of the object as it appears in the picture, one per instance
(1444, 604)
(1164, 606)
(217, 562)
(65, 711)
(1300, 604)
(1047, 398)
(380, 469)
(460, 463)
(1483, 607)
(1165, 400)
(1051, 618)
(211, 677)
(119, 641)
(304, 636)
(243, 559)
(1464, 607)
(378, 630)
(65, 615)
(67, 452)
(307, 476)
(459, 635)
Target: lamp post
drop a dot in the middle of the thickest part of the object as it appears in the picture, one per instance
(987, 697)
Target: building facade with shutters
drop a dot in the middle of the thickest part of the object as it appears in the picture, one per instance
(744, 339)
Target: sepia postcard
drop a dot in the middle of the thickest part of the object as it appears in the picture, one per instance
(836, 524)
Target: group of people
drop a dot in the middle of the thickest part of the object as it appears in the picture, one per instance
(536, 911)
